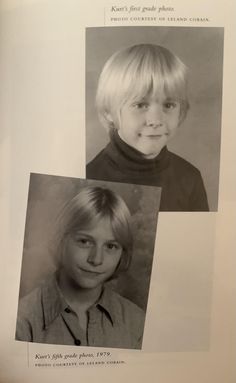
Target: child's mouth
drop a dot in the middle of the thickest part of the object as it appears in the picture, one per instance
(90, 272)
(152, 136)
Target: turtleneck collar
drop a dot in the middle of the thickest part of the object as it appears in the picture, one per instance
(132, 160)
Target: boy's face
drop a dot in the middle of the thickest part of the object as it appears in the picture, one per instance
(91, 256)
(148, 124)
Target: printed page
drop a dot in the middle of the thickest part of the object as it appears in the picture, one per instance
(51, 57)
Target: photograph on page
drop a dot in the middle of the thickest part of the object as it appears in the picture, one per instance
(163, 142)
(153, 110)
(87, 262)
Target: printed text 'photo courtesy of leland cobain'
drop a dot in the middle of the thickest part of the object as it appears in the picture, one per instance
(87, 261)
(153, 111)
(139, 14)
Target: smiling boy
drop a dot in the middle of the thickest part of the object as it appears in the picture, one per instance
(141, 101)
(73, 306)
(148, 125)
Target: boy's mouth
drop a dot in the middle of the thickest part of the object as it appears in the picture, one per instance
(155, 136)
(90, 272)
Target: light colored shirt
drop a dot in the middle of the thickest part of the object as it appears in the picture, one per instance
(44, 316)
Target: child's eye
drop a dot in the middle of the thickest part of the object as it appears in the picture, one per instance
(141, 105)
(170, 105)
(113, 247)
(83, 242)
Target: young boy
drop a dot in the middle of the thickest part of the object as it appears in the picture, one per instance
(141, 101)
(74, 306)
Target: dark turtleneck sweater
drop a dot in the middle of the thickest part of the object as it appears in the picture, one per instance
(181, 183)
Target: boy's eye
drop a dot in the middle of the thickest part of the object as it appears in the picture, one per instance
(170, 105)
(113, 247)
(83, 242)
(141, 105)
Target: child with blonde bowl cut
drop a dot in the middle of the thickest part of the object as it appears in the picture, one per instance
(141, 101)
(74, 306)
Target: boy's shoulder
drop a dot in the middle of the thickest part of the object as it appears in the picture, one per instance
(101, 166)
(124, 307)
(98, 159)
(181, 165)
(30, 300)
(31, 304)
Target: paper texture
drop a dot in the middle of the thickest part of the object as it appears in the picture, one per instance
(190, 330)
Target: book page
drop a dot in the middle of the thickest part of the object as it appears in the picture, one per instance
(47, 119)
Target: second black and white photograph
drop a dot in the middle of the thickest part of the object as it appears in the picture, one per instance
(87, 262)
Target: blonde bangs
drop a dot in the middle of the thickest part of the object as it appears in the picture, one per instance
(138, 71)
(155, 70)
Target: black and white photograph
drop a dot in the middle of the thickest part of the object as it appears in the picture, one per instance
(118, 192)
(153, 111)
(87, 262)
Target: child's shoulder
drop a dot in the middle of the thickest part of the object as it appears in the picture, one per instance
(125, 315)
(96, 161)
(182, 166)
(31, 299)
(34, 299)
(101, 166)
(127, 308)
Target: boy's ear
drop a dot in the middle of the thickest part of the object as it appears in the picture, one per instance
(109, 117)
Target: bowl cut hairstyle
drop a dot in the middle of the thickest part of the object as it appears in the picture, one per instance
(87, 208)
(135, 72)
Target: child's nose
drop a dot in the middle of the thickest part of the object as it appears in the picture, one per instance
(95, 256)
(155, 116)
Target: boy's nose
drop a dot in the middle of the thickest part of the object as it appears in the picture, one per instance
(95, 256)
(154, 116)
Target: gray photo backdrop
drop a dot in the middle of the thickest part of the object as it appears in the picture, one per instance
(47, 194)
(201, 49)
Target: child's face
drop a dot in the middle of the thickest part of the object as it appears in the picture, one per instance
(91, 256)
(148, 124)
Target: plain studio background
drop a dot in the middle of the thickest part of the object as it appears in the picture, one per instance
(201, 49)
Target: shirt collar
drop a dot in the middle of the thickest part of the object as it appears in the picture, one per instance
(108, 302)
(54, 302)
